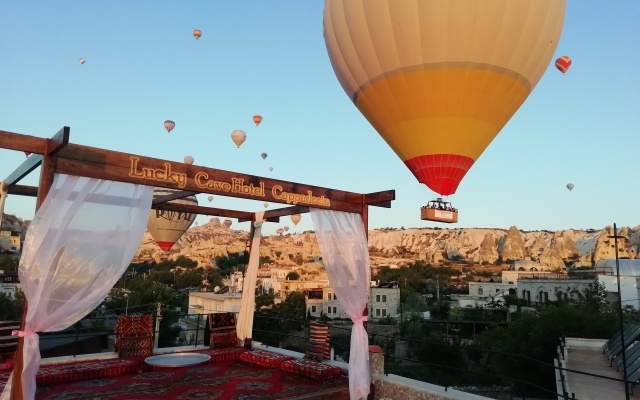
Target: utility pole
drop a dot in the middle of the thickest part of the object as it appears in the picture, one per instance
(158, 319)
(438, 288)
(615, 238)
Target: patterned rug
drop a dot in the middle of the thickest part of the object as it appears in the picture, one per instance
(221, 380)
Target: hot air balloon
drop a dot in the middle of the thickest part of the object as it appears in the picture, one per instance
(264, 156)
(570, 186)
(166, 227)
(257, 119)
(271, 169)
(295, 218)
(26, 153)
(169, 125)
(188, 160)
(227, 223)
(210, 198)
(238, 137)
(280, 231)
(82, 61)
(563, 63)
(197, 33)
(438, 79)
(266, 205)
(286, 229)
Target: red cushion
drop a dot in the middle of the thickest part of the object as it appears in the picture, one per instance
(312, 369)
(223, 337)
(314, 351)
(264, 358)
(222, 320)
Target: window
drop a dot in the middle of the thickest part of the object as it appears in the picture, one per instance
(328, 310)
(334, 297)
(480, 292)
(335, 310)
(384, 298)
(384, 312)
(328, 296)
(377, 298)
(497, 290)
(377, 312)
(313, 309)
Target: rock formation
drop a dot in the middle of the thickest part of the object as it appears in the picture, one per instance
(512, 247)
(488, 249)
(551, 259)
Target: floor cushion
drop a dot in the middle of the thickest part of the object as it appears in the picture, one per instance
(264, 358)
(312, 369)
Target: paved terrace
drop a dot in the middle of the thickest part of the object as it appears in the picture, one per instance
(586, 355)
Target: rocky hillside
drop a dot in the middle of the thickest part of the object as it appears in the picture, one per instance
(396, 247)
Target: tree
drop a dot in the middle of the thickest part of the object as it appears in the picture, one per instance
(9, 262)
(293, 276)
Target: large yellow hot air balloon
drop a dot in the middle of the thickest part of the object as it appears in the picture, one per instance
(295, 218)
(166, 227)
(438, 79)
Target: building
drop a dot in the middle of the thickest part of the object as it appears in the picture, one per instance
(480, 293)
(9, 283)
(384, 301)
(629, 280)
(207, 302)
(9, 242)
(538, 291)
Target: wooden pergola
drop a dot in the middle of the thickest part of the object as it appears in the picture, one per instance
(57, 155)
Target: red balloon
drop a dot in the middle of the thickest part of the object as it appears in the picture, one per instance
(563, 63)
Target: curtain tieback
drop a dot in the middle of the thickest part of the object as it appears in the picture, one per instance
(361, 318)
(22, 333)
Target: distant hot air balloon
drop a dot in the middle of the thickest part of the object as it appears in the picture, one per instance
(210, 198)
(188, 160)
(238, 137)
(270, 168)
(280, 231)
(82, 61)
(286, 229)
(266, 205)
(196, 223)
(563, 63)
(295, 218)
(570, 186)
(450, 77)
(166, 227)
(26, 153)
(264, 156)
(197, 33)
(257, 119)
(227, 223)
(169, 125)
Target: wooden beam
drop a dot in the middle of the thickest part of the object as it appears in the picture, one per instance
(58, 141)
(218, 212)
(24, 169)
(106, 164)
(283, 212)
(20, 142)
(173, 196)
(20, 190)
(380, 199)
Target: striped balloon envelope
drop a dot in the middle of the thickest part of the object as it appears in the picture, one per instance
(166, 227)
(563, 63)
(439, 79)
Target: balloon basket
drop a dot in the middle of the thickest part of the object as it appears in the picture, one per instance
(428, 213)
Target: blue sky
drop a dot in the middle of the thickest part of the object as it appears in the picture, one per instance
(143, 66)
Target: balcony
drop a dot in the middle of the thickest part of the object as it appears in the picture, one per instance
(82, 360)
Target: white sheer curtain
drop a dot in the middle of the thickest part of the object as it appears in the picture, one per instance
(345, 254)
(244, 327)
(3, 196)
(80, 242)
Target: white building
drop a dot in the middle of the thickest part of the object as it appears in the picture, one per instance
(480, 293)
(629, 279)
(384, 301)
(543, 290)
(207, 302)
(9, 284)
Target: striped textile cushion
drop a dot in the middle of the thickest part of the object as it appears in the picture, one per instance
(319, 333)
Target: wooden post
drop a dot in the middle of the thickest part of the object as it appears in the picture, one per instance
(46, 180)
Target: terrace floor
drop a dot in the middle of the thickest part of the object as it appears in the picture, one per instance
(221, 379)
